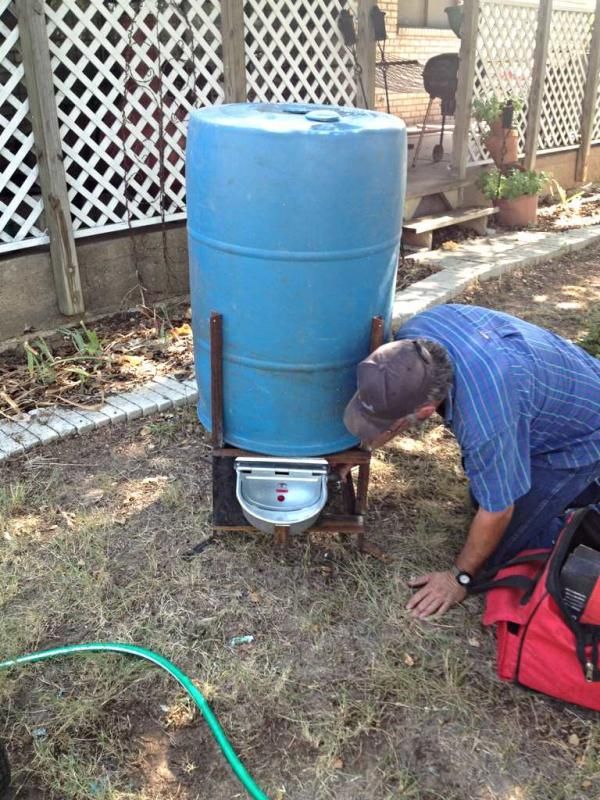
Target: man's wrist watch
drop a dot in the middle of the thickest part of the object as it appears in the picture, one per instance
(464, 578)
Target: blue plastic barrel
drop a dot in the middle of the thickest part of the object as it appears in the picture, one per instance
(294, 222)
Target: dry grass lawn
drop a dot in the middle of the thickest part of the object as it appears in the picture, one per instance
(341, 695)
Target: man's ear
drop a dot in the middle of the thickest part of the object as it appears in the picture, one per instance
(425, 411)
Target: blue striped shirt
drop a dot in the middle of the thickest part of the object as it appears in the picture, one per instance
(521, 396)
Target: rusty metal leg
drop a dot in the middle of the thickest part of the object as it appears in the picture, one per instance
(364, 469)
(377, 333)
(349, 495)
(216, 379)
(364, 472)
(281, 536)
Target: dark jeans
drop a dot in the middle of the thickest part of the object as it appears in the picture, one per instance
(539, 515)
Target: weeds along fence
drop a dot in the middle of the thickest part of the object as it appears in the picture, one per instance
(95, 96)
(544, 53)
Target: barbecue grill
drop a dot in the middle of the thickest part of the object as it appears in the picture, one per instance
(440, 79)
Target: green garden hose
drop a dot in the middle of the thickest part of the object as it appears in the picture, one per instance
(238, 768)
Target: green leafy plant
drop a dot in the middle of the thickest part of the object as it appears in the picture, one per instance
(86, 342)
(47, 368)
(509, 185)
(40, 361)
(490, 109)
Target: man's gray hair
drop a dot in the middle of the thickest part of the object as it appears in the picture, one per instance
(443, 373)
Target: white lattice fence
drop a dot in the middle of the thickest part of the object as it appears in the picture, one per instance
(20, 201)
(127, 75)
(596, 128)
(566, 74)
(504, 62)
(294, 52)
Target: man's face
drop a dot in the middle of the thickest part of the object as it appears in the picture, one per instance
(414, 420)
(403, 424)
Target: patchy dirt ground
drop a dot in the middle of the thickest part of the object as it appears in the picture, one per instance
(411, 271)
(580, 211)
(80, 365)
(563, 295)
(341, 696)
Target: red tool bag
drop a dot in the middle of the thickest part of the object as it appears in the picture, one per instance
(542, 643)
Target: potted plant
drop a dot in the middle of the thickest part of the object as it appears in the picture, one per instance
(500, 137)
(515, 193)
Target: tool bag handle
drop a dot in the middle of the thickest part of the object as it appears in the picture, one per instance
(487, 580)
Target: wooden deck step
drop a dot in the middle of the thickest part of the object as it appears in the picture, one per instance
(442, 220)
(418, 233)
(422, 184)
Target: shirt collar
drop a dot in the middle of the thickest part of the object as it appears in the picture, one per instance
(449, 406)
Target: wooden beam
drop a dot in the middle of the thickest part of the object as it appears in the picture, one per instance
(234, 50)
(536, 93)
(426, 14)
(327, 523)
(281, 535)
(365, 56)
(44, 122)
(354, 456)
(588, 112)
(464, 91)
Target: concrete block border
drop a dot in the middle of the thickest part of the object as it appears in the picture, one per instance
(479, 259)
(43, 426)
(482, 259)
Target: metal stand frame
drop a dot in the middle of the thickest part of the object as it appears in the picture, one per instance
(227, 514)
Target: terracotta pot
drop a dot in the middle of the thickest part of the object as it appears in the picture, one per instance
(517, 212)
(502, 145)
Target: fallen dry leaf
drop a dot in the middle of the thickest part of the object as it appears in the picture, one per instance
(408, 660)
(372, 549)
(68, 518)
(93, 496)
(132, 361)
(182, 330)
(574, 740)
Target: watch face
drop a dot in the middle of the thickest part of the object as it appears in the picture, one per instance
(464, 578)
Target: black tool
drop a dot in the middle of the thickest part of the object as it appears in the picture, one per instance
(346, 26)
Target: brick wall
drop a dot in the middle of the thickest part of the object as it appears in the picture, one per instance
(411, 43)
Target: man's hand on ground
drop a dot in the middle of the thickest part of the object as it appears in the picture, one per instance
(438, 591)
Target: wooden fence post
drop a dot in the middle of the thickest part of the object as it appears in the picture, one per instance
(44, 122)
(365, 56)
(234, 50)
(464, 90)
(536, 93)
(588, 112)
